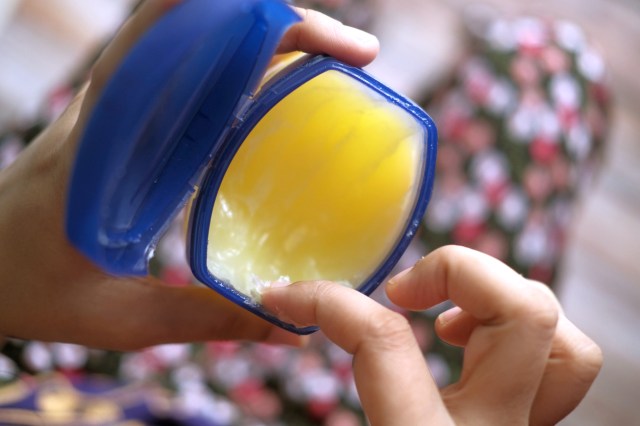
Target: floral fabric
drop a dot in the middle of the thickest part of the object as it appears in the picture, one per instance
(522, 127)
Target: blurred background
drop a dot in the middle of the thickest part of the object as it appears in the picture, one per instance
(430, 51)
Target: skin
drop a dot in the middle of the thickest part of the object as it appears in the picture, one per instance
(50, 292)
(524, 361)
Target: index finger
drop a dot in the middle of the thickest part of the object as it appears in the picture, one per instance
(391, 375)
(507, 352)
(481, 285)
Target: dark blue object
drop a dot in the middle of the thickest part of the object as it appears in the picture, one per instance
(275, 90)
(160, 120)
(172, 118)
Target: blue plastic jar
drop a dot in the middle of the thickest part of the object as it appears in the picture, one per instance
(174, 116)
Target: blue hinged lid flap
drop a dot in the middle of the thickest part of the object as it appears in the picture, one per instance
(160, 119)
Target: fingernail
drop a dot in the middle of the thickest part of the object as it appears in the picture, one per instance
(398, 277)
(268, 292)
(277, 284)
(448, 315)
(361, 36)
(261, 287)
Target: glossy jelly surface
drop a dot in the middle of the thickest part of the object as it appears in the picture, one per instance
(322, 188)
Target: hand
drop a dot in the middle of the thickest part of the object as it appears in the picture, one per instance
(50, 292)
(524, 362)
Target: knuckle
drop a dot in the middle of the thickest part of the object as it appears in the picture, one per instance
(540, 309)
(591, 360)
(448, 255)
(587, 358)
(322, 289)
(449, 260)
(391, 330)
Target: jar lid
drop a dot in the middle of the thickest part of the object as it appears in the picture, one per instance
(161, 118)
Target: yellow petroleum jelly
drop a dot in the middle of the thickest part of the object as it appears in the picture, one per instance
(321, 188)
